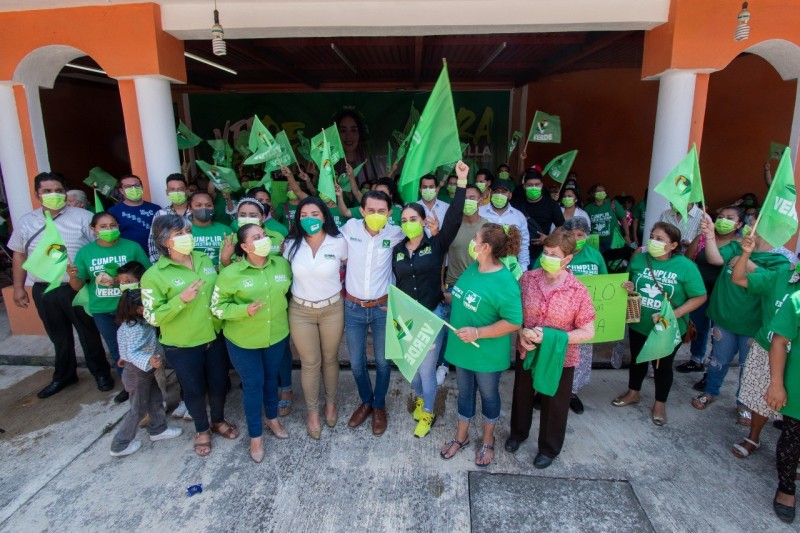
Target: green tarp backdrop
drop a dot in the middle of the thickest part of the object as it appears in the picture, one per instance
(482, 118)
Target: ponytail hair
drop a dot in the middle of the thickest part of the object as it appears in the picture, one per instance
(503, 240)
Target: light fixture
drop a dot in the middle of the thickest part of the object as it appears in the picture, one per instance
(742, 32)
(87, 69)
(210, 63)
(338, 52)
(218, 45)
(492, 57)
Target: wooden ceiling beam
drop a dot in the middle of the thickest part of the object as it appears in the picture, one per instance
(418, 44)
(275, 62)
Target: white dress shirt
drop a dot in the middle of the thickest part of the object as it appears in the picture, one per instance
(511, 217)
(440, 208)
(692, 227)
(369, 267)
(316, 277)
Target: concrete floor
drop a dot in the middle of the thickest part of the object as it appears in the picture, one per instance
(57, 473)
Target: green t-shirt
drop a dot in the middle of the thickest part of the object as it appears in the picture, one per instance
(604, 218)
(677, 275)
(276, 227)
(773, 287)
(731, 307)
(220, 206)
(208, 239)
(787, 324)
(92, 259)
(638, 213)
(394, 218)
(587, 262)
(481, 299)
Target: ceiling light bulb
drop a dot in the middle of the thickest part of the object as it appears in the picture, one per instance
(742, 32)
(218, 45)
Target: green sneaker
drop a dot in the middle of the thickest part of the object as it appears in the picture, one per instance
(418, 409)
(424, 424)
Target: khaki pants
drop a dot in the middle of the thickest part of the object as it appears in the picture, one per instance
(316, 334)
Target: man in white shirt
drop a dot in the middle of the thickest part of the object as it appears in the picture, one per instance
(429, 202)
(369, 274)
(55, 307)
(499, 211)
(689, 231)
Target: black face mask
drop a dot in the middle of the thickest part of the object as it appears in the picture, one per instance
(202, 215)
(266, 207)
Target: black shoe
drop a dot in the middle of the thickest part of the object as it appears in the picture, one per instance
(105, 383)
(542, 461)
(700, 386)
(122, 396)
(537, 401)
(512, 444)
(689, 366)
(778, 424)
(784, 512)
(576, 405)
(56, 386)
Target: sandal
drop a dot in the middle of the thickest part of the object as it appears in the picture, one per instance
(284, 407)
(741, 452)
(225, 429)
(744, 417)
(454, 442)
(702, 401)
(202, 447)
(482, 454)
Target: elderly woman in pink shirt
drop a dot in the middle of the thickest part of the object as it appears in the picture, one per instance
(552, 297)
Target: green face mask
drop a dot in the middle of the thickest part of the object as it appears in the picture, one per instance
(550, 264)
(243, 221)
(262, 247)
(183, 244)
(311, 225)
(470, 207)
(428, 194)
(568, 201)
(600, 195)
(412, 229)
(451, 190)
(533, 193)
(746, 230)
(375, 221)
(108, 235)
(656, 248)
(503, 175)
(128, 286)
(481, 185)
(134, 194)
(724, 226)
(471, 250)
(54, 200)
(291, 196)
(177, 198)
(363, 191)
(579, 244)
(499, 200)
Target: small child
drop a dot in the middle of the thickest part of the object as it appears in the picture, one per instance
(142, 353)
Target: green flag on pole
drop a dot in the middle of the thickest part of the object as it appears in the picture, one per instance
(98, 205)
(287, 156)
(683, 185)
(512, 144)
(663, 338)
(186, 139)
(435, 139)
(241, 143)
(326, 171)
(344, 179)
(545, 128)
(82, 300)
(331, 136)
(262, 144)
(776, 150)
(778, 219)
(101, 180)
(411, 330)
(223, 178)
(305, 146)
(49, 259)
(223, 153)
(559, 167)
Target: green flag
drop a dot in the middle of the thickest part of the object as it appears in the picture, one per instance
(344, 179)
(82, 300)
(223, 178)
(326, 171)
(512, 144)
(663, 338)
(411, 330)
(49, 259)
(682, 185)
(331, 136)
(101, 180)
(778, 219)
(559, 167)
(435, 139)
(287, 156)
(305, 146)
(186, 139)
(98, 205)
(545, 128)
(776, 150)
(262, 144)
(223, 153)
(403, 148)
(242, 143)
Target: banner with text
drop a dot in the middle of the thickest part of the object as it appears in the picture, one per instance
(610, 301)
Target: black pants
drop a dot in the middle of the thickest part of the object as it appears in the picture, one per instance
(638, 371)
(553, 417)
(59, 316)
(787, 453)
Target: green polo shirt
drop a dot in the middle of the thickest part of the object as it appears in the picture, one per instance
(242, 283)
(182, 324)
(94, 258)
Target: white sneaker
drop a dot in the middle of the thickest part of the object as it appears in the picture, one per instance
(187, 416)
(133, 447)
(179, 411)
(441, 373)
(169, 433)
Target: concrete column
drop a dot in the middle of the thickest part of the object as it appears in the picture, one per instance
(794, 136)
(37, 127)
(158, 133)
(671, 138)
(12, 156)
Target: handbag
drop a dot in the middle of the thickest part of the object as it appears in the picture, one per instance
(691, 329)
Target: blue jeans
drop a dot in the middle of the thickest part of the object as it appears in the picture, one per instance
(723, 350)
(107, 327)
(424, 381)
(357, 320)
(488, 383)
(258, 369)
(701, 321)
(285, 370)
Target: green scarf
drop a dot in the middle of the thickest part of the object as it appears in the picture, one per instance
(546, 362)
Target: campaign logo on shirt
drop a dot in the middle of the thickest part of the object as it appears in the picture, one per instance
(209, 270)
(387, 243)
(426, 251)
(400, 256)
(280, 278)
(329, 256)
(247, 283)
(472, 301)
(178, 282)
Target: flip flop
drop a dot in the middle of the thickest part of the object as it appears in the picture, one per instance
(461, 446)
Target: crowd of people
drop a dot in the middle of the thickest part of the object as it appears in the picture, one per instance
(218, 280)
